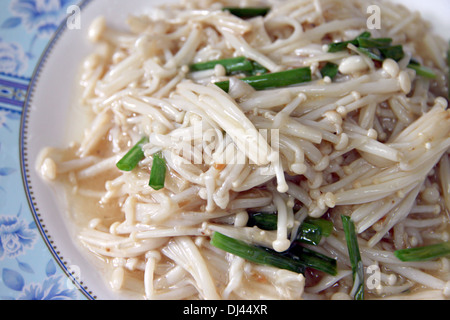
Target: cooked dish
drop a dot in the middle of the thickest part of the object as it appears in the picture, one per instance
(277, 150)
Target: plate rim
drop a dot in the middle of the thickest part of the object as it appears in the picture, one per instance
(23, 156)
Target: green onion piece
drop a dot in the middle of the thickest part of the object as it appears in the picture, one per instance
(424, 253)
(374, 42)
(355, 258)
(340, 46)
(256, 254)
(268, 221)
(224, 85)
(326, 226)
(231, 65)
(279, 79)
(273, 80)
(371, 47)
(158, 172)
(365, 34)
(258, 69)
(330, 70)
(370, 52)
(422, 70)
(367, 45)
(314, 260)
(394, 52)
(246, 13)
(318, 261)
(264, 221)
(309, 233)
(132, 157)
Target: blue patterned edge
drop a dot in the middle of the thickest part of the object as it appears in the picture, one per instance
(25, 166)
(14, 91)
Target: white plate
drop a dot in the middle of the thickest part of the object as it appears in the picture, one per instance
(45, 123)
(435, 11)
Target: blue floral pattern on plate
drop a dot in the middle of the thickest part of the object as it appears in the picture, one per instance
(28, 270)
(16, 236)
(13, 59)
(53, 286)
(40, 16)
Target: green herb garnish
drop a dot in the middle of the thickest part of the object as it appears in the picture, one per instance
(132, 157)
(249, 12)
(355, 258)
(424, 253)
(158, 172)
(273, 80)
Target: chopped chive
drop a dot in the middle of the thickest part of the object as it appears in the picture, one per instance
(381, 53)
(246, 13)
(340, 46)
(424, 253)
(256, 254)
(273, 80)
(318, 261)
(422, 70)
(310, 231)
(326, 226)
(355, 258)
(329, 70)
(231, 65)
(296, 259)
(130, 160)
(258, 69)
(158, 172)
(365, 34)
(264, 221)
(314, 260)
(224, 85)
(366, 45)
(279, 79)
(373, 42)
(394, 52)
(379, 49)
(370, 52)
